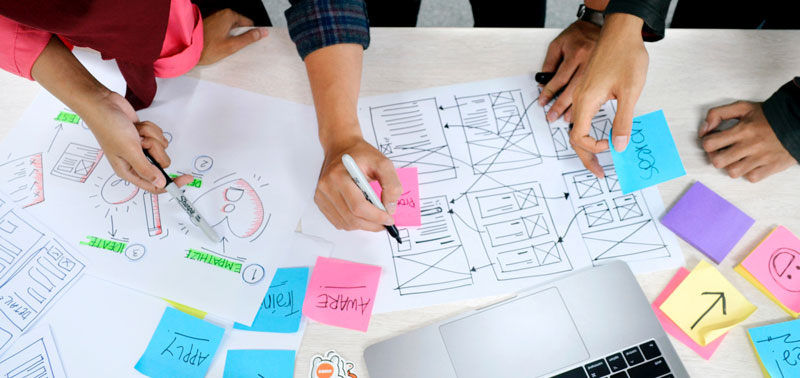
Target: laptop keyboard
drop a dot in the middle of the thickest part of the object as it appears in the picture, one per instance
(638, 361)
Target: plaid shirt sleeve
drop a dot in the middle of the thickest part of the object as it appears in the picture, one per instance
(314, 24)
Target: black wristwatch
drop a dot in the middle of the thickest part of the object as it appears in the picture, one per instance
(590, 15)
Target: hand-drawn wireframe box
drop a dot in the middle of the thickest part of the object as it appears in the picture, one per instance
(498, 132)
(412, 134)
(613, 225)
(77, 162)
(431, 257)
(517, 231)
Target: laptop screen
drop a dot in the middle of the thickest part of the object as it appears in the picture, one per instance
(527, 337)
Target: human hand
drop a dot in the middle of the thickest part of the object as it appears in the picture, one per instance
(121, 136)
(218, 42)
(750, 148)
(616, 70)
(567, 56)
(341, 200)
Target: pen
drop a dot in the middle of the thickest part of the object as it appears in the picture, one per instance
(187, 206)
(543, 77)
(363, 184)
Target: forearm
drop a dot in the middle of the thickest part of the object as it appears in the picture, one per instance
(61, 74)
(335, 76)
(596, 4)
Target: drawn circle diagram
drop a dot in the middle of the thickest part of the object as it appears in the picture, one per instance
(135, 252)
(784, 267)
(117, 191)
(253, 273)
(168, 136)
(203, 163)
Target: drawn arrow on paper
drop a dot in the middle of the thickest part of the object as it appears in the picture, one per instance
(720, 296)
(224, 240)
(561, 238)
(474, 269)
(463, 221)
(450, 107)
(58, 130)
(113, 231)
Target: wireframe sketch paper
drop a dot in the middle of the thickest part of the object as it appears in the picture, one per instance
(505, 203)
(220, 135)
(182, 346)
(408, 212)
(706, 305)
(774, 267)
(241, 363)
(670, 327)
(707, 221)
(776, 348)
(33, 355)
(36, 269)
(651, 156)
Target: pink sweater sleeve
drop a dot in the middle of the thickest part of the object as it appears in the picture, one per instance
(20, 46)
(183, 43)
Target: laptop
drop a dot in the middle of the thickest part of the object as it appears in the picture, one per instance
(588, 324)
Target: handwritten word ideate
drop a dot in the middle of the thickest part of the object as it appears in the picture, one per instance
(651, 156)
(408, 209)
(182, 346)
(706, 305)
(342, 293)
(280, 310)
(778, 348)
(243, 363)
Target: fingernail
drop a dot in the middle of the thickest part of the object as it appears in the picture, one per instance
(620, 143)
(391, 207)
(264, 32)
(389, 221)
(704, 127)
(568, 117)
(551, 116)
(160, 182)
(541, 101)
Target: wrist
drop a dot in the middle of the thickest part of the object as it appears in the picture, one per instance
(339, 137)
(623, 26)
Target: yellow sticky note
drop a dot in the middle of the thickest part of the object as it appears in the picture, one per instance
(186, 309)
(705, 305)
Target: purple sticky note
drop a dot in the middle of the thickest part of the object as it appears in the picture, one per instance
(707, 221)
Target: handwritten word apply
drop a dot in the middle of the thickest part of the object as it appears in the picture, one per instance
(651, 156)
(342, 293)
(182, 346)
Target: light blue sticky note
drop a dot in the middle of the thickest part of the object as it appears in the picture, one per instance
(182, 346)
(778, 348)
(259, 364)
(281, 308)
(651, 156)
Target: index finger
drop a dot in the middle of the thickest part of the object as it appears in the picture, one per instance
(360, 207)
(584, 108)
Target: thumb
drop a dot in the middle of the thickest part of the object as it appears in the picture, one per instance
(716, 115)
(236, 43)
(146, 170)
(391, 188)
(621, 130)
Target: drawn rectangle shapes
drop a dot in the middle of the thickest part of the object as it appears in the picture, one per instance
(559, 129)
(517, 259)
(77, 162)
(498, 132)
(597, 214)
(17, 238)
(25, 180)
(506, 202)
(587, 185)
(431, 257)
(411, 134)
(627, 207)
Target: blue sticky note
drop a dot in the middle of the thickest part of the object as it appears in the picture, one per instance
(259, 363)
(281, 308)
(777, 346)
(651, 156)
(182, 346)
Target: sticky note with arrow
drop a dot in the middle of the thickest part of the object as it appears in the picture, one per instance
(705, 305)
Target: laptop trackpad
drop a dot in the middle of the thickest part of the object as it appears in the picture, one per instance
(525, 337)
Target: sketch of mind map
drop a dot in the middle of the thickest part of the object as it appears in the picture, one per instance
(481, 172)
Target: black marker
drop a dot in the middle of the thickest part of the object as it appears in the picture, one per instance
(363, 184)
(543, 77)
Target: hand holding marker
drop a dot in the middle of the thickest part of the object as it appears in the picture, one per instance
(363, 184)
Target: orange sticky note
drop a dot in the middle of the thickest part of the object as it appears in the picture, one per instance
(672, 328)
(408, 213)
(775, 264)
(342, 293)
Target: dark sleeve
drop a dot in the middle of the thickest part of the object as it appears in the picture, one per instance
(782, 110)
(314, 24)
(653, 12)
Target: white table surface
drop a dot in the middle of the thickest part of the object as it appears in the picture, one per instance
(690, 71)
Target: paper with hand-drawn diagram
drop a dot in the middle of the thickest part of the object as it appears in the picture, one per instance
(34, 355)
(222, 136)
(505, 204)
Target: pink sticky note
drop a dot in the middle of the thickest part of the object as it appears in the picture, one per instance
(342, 293)
(775, 263)
(672, 328)
(407, 214)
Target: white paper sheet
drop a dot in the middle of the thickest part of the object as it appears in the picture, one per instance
(36, 269)
(33, 355)
(496, 216)
(255, 184)
(102, 328)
